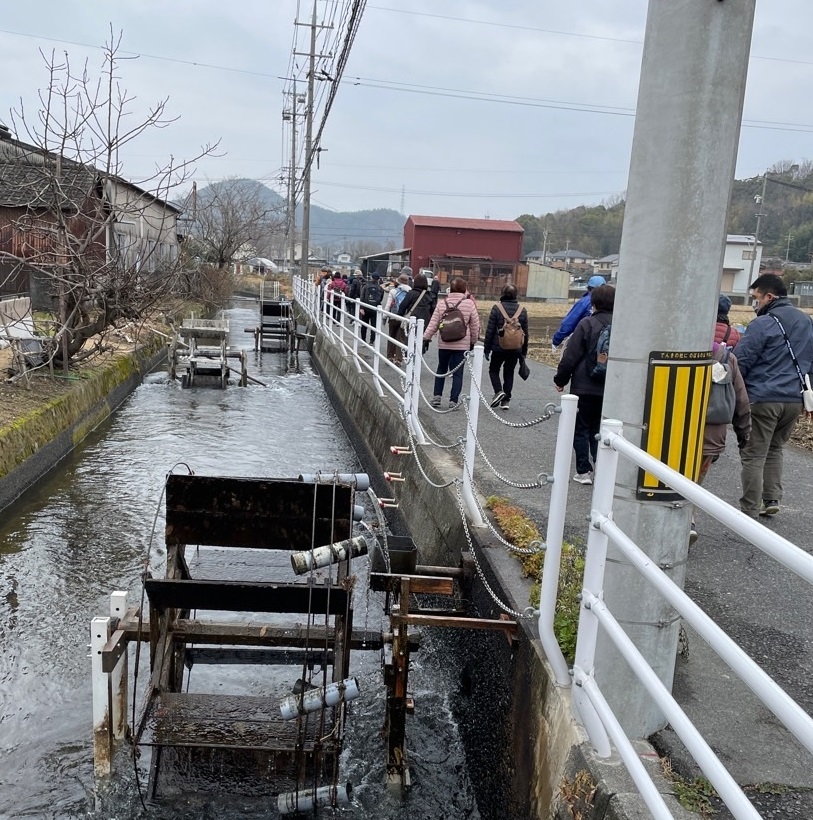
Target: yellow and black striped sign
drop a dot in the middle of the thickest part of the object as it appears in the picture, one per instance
(677, 395)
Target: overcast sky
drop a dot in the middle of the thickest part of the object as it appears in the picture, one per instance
(553, 82)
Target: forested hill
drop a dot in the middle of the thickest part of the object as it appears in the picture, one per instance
(787, 210)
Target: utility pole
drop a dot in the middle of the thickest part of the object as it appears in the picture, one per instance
(545, 233)
(292, 184)
(787, 249)
(306, 187)
(693, 73)
(761, 202)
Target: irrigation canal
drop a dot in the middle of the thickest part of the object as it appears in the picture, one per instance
(85, 531)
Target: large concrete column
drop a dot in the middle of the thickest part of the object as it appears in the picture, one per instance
(683, 158)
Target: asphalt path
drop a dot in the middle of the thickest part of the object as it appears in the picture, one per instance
(764, 607)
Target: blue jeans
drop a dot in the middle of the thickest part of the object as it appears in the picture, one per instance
(448, 360)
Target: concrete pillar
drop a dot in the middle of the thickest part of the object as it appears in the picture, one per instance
(683, 158)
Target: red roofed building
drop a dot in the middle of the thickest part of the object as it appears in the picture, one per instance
(485, 252)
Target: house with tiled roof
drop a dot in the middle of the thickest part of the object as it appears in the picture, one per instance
(54, 211)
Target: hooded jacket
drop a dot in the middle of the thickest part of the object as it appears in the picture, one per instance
(764, 358)
(714, 435)
(496, 321)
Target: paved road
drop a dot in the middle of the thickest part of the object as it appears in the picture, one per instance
(763, 606)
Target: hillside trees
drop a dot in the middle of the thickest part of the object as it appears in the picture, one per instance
(69, 216)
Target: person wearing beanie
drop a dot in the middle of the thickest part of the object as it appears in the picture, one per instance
(579, 311)
(723, 332)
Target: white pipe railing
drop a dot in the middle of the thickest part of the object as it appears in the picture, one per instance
(588, 700)
(553, 539)
(470, 447)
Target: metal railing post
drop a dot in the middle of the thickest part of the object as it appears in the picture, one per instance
(100, 682)
(413, 377)
(595, 561)
(342, 313)
(553, 539)
(470, 450)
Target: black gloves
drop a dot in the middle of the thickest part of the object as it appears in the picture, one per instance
(425, 346)
(741, 441)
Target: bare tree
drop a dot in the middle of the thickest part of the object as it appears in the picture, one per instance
(233, 217)
(98, 247)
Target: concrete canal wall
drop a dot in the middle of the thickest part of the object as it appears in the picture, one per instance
(526, 755)
(38, 441)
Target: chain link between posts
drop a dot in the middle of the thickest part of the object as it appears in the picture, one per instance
(494, 597)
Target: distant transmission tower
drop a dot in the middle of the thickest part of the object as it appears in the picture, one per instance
(403, 196)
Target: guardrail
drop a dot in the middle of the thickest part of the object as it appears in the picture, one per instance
(596, 714)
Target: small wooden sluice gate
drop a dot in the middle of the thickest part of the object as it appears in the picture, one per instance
(200, 354)
(277, 329)
(236, 601)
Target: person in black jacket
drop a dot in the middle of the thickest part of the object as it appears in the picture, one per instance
(498, 358)
(419, 302)
(575, 366)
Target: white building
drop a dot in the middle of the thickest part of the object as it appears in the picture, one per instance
(741, 262)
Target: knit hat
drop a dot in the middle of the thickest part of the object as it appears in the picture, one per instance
(723, 306)
(406, 271)
(596, 282)
(376, 275)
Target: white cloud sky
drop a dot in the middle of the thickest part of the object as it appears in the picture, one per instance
(221, 66)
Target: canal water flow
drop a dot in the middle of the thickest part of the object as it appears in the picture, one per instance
(85, 531)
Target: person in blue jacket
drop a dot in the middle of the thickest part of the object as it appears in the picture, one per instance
(774, 382)
(579, 311)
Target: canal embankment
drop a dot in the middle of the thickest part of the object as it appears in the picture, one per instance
(34, 442)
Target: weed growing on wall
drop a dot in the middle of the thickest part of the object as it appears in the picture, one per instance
(522, 532)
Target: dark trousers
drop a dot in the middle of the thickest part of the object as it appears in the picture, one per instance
(394, 353)
(369, 319)
(507, 360)
(588, 424)
(448, 360)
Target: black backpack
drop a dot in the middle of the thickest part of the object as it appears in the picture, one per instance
(598, 356)
(372, 294)
(354, 289)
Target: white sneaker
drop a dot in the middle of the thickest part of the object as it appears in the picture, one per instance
(498, 397)
(583, 478)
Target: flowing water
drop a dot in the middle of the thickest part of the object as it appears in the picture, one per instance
(85, 531)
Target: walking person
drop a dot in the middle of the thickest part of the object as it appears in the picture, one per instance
(397, 293)
(774, 355)
(578, 367)
(505, 341)
(372, 295)
(580, 310)
(336, 287)
(451, 352)
(723, 332)
(418, 303)
(728, 404)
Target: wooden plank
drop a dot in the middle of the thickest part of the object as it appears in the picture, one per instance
(115, 647)
(455, 623)
(255, 657)
(256, 513)
(426, 584)
(223, 722)
(199, 632)
(241, 596)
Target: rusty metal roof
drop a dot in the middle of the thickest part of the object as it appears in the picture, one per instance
(469, 224)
